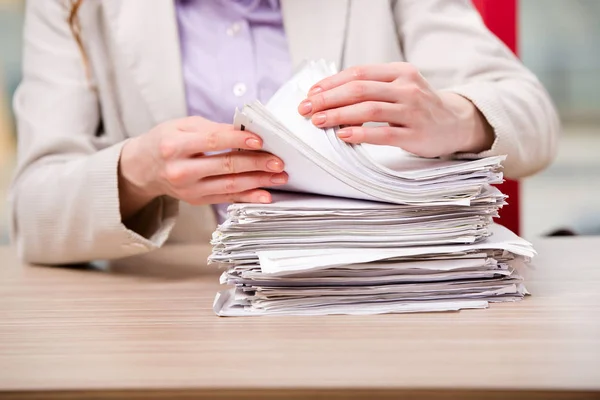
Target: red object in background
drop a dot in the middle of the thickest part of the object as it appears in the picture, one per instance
(500, 16)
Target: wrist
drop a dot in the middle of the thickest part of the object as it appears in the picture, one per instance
(136, 185)
(475, 133)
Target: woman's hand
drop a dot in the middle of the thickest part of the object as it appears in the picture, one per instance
(170, 160)
(421, 121)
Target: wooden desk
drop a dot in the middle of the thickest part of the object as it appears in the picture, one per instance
(146, 330)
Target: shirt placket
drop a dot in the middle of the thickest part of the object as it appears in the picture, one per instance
(240, 84)
(238, 73)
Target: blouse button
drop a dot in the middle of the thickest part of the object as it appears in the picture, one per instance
(239, 89)
(234, 29)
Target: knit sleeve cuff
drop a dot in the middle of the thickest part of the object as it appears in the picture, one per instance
(147, 230)
(484, 97)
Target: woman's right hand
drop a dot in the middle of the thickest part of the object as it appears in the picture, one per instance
(170, 160)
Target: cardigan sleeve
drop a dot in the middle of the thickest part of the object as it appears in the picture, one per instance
(451, 46)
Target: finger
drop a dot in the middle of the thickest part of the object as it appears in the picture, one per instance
(235, 183)
(383, 135)
(358, 114)
(180, 173)
(350, 93)
(214, 141)
(194, 135)
(198, 124)
(387, 72)
(249, 196)
(235, 162)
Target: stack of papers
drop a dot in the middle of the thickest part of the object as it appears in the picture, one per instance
(308, 255)
(363, 229)
(318, 162)
(294, 220)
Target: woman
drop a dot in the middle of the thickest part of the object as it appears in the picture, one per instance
(110, 164)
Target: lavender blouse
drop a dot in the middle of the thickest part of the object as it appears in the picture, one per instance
(233, 51)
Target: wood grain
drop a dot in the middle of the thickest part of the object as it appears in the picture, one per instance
(145, 329)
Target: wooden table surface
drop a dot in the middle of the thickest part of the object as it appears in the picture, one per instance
(146, 330)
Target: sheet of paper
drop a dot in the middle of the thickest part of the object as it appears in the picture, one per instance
(224, 305)
(303, 260)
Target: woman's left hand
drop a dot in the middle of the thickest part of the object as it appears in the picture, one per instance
(421, 121)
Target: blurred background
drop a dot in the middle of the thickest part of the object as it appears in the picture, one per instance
(558, 40)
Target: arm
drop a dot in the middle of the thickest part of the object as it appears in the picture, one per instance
(64, 198)
(77, 199)
(461, 93)
(447, 41)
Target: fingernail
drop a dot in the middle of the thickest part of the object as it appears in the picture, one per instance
(319, 119)
(253, 143)
(279, 178)
(315, 90)
(344, 133)
(274, 165)
(264, 199)
(305, 107)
